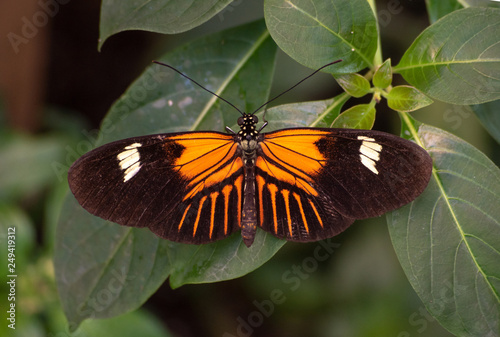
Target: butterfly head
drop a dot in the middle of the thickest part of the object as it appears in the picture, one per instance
(247, 124)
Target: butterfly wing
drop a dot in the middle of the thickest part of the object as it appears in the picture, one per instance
(312, 184)
(185, 187)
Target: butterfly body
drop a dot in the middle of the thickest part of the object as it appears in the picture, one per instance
(302, 184)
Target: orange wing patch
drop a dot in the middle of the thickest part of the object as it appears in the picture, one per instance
(273, 189)
(301, 210)
(292, 156)
(206, 160)
(289, 163)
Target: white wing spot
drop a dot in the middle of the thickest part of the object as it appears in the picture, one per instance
(370, 164)
(369, 153)
(129, 161)
(131, 171)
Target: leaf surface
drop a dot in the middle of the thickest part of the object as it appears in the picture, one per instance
(448, 239)
(316, 32)
(457, 59)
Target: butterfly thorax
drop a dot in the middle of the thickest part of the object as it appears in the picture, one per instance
(248, 136)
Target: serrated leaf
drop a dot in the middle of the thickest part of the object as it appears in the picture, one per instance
(361, 116)
(457, 59)
(354, 84)
(316, 32)
(383, 75)
(489, 115)
(103, 269)
(448, 239)
(405, 98)
(161, 16)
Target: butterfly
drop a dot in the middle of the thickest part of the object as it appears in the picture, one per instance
(298, 184)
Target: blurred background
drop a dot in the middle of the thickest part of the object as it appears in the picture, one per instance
(55, 87)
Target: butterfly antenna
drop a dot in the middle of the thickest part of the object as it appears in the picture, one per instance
(302, 80)
(198, 84)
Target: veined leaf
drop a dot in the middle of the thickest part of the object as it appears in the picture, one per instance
(383, 75)
(316, 32)
(354, 84)
(167, 17)
(305, 114)
(448, 239)
(361, 116)
(457, 59)
(405, 98)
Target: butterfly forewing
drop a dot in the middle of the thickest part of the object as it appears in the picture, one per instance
(313, 183)
(185, 187)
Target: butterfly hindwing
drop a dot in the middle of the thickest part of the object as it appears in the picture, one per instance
(313, 183)
(185, 187)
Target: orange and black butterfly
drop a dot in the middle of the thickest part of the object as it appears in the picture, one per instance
(303, 184)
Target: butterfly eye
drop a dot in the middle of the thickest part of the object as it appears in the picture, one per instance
(241, 121)
(255, 119)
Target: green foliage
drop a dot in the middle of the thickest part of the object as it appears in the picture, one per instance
(361, 116)
(354, 84)
(447, 240)
(456, 60)
(316, 32)
(383, 75)
(166, 17)
(457, 218)
(404, 98)
(38, 311)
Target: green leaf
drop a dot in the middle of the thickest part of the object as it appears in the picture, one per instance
(439, 8)
(220, 261)
(316, 32)
(361, 116)
(305, 114)
(20, 155)
(448, 239)
(133, 324)
(383, 75)
(405, 98)
(13, 219)
(166, 17)
(457, 59)
(103, 269)
(480, 3)
(354, 84)
(489, 115)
